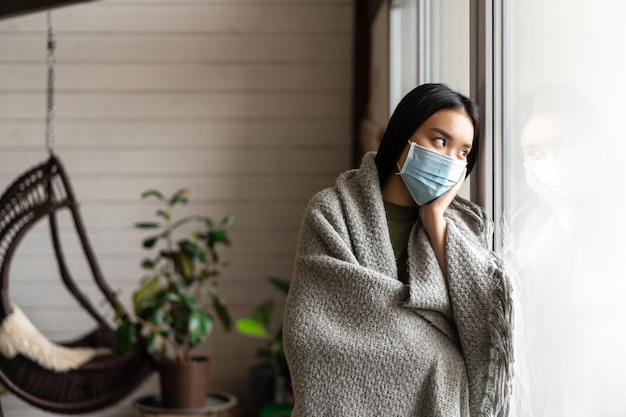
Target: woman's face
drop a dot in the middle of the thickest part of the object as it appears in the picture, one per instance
(448, 131)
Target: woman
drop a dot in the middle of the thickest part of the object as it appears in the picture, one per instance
(397, 306)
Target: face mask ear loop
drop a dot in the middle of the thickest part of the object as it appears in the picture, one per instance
(398, 163)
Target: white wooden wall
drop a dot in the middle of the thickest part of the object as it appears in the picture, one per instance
(245, 101)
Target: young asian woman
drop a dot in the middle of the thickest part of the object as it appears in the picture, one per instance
(397, 305)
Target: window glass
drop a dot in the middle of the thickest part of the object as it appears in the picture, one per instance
(429, 42)
(564, 232)
(403, 49)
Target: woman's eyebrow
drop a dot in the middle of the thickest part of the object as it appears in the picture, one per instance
(445, 134)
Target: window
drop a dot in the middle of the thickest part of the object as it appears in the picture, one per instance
(563, 227)
(429, 42)
(548, 75)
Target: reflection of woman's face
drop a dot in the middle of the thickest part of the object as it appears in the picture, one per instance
(546, 136)
(554, 150)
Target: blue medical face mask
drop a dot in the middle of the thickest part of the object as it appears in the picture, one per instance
(563, 174)
(429, 174)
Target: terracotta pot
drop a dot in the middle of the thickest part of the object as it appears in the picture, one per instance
(184, 384)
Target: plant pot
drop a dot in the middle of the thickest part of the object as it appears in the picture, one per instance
(265, 387)
(184, 384)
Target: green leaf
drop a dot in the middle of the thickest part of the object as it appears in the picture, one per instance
(222, 312)
(148, 304)
(152, 193)
(279, 335)
(184, 265)
(281, 284)
(155, 343)
(276, 410)
(164, 214)
(191, 303)
(180, 197)
(149, 242)
(276, 347)
(147, 263)
(206, 324)
(251, 327)
(166, 254)
(180, 325)
(147, 225)
(206, 220)
(126, 335)
(192, 249)
(267, 356)
(264, 313)
(217, 236)
(180, 287)
(199, 327)
(147, 292)
(120, 316)
(174, 297)
(227, 221)
(158, 317)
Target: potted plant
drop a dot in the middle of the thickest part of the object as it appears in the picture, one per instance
(269, 381)
(178, 300)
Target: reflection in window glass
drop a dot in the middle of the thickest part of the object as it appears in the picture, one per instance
(565, 229)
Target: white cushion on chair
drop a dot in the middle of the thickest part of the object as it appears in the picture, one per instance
(18, 335)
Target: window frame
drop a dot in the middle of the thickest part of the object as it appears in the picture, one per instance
(490, 81)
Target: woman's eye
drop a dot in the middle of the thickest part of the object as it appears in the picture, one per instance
(440, 142)
(463, 153)
(532, 153)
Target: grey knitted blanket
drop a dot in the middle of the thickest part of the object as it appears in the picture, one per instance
(360, 343)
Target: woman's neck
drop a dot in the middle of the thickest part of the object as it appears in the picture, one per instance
(394, 190)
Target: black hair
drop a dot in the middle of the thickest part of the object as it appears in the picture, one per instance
(413, 110)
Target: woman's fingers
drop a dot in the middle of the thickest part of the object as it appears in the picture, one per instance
(446, 198)
(457, 187)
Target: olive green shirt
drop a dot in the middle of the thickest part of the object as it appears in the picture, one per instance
(400, 221)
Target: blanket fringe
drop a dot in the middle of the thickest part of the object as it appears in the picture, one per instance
(496, 402)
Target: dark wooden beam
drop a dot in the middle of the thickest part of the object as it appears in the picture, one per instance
(11, 8)
(364, 12)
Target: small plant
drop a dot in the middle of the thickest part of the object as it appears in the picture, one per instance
(258, 326)
(178, 300)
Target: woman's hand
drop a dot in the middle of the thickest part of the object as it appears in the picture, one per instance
(563, 210)
(431, 215)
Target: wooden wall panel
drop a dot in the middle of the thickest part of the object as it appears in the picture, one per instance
(117, 242)
(179, 106)
(193, 18)
(159, 134)
(247, 102)
(196, 77)
(158, 48)
(250, 160)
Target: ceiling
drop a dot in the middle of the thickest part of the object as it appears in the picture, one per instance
(10, 8)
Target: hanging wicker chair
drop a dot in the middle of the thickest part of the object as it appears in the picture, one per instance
(105, 378)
